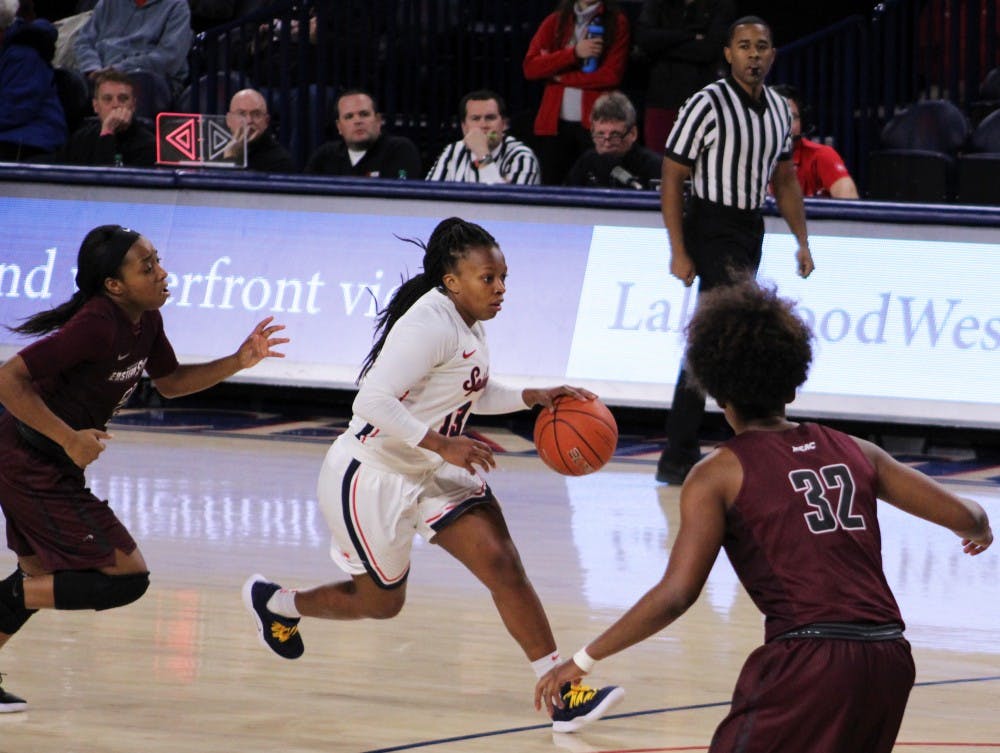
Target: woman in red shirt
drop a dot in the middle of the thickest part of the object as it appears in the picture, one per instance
(558, 54)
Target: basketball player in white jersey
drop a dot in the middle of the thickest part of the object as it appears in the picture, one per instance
(403, 466)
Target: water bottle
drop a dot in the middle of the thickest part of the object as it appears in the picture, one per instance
(594, 30)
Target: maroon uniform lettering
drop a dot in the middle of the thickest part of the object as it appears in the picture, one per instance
(87, 369)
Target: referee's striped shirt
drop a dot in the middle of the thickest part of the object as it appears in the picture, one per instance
(514, 160)
(731, 142)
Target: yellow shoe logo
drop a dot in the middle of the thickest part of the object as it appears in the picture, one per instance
(281, 633)
(577, 695)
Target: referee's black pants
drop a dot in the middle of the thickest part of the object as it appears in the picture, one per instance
(724, 244)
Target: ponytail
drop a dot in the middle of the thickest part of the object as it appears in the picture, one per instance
(99, 258)
(449, 242)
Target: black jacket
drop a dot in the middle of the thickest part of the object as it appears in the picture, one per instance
(594, 170)
(388, 157)
(267, 155)
(136, 145)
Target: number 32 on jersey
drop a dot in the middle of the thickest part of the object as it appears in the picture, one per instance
(830, 492)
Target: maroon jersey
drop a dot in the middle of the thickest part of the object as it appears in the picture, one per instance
(802, 534)
(87, 369)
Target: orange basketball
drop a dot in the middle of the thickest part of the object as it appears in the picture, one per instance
(578, 438)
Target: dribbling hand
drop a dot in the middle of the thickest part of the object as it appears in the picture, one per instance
(546, 397)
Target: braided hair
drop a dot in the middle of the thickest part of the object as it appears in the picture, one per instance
(99, 258)
(451, 240)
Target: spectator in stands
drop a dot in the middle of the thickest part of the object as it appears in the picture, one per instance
(578, 63)
(148, 37)
(117, 136)
(249, 122)
(32, 122)
(363, 150)
(681, 41)
(485, 154)
(821, 171)
(617, 160)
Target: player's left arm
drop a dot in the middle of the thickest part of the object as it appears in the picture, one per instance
(703, 525)
(189, 378)
(913, 492)
(788, 195)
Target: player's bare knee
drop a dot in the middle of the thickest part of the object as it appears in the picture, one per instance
(388, 606)
(504, 569)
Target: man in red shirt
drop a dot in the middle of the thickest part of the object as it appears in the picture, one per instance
(821, 171)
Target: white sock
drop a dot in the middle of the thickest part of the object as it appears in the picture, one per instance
(543, 665)
(282, 602)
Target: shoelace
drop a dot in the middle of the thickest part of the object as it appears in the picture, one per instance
(577, 695)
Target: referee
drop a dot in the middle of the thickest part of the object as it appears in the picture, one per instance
(731, 138)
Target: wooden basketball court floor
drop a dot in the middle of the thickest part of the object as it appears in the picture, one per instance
(181, 670)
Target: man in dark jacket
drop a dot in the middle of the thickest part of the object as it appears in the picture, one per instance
(32, 122)
(364, 151)
(117, 136)
(617, 160)
(249, 122)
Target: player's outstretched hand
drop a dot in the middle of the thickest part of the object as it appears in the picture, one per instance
(547, 693)
(546, 397)
(260, 344)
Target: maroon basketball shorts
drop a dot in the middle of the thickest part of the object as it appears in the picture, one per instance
(819, 695)
(51, 513)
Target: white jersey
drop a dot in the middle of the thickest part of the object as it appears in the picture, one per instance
(432, 372)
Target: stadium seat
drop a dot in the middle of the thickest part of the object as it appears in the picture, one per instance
(988, 100)
(918, 155)
(979, 168)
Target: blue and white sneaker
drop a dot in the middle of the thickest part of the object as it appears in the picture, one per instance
(278, 633)
(583, 705)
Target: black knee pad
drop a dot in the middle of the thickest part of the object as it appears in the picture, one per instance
(11, 622)
(90, 589)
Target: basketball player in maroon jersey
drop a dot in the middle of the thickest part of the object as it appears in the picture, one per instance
(794, 506)
(59, 393)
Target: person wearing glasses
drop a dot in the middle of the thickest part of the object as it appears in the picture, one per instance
(617, 159)
(249, 122)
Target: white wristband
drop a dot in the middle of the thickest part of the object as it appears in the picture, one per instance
(584, 660)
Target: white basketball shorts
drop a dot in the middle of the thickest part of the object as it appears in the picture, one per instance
(374, 513)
